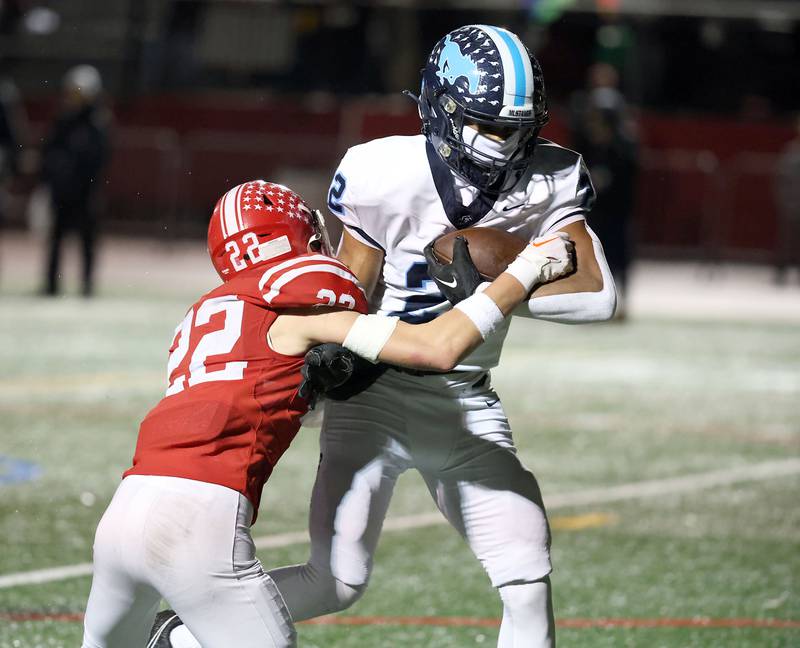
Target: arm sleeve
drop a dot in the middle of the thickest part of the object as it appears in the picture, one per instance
(349, 200)
(572, 196)
(577, 308)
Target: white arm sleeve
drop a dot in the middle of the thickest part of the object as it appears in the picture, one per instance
(577, 308)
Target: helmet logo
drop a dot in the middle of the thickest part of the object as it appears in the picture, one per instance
(454, 65)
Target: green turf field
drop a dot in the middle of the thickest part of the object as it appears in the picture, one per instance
(671, 564)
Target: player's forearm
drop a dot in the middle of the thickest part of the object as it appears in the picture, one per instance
(506, 292)
(435, 346)
(441, 344)
(587, 296)
(572, 308)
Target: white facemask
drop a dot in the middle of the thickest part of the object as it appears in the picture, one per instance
(488, 147)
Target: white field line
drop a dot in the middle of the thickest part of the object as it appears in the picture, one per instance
(636, 490)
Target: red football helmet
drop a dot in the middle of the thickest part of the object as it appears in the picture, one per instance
(259, 222)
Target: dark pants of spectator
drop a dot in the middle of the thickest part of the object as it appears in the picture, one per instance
(613, 229)
(69, 217)
(788, 253)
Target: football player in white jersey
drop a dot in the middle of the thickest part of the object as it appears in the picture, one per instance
(478, 162)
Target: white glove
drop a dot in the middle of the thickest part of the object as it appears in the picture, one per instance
(545, 258)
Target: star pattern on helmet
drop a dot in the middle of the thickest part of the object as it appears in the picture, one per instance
(475, 44)
(261, 196)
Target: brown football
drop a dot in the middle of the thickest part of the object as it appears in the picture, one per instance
(491, 249)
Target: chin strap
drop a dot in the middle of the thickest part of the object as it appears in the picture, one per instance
(412, 96)
(426, 126)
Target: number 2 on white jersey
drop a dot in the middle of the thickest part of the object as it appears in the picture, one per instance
(212, 343)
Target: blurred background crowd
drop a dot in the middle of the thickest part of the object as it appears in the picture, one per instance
(133, 116)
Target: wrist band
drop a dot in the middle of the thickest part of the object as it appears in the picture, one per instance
(483, 312)
(369, 334)
(527, 268)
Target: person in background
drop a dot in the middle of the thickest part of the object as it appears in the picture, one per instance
(604, 134)
(12, 125)
(12, 134)
(75, 153)
(787, 198)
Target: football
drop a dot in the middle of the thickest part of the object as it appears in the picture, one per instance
(491, 250)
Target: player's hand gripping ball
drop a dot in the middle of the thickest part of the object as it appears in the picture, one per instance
(457, 277)
(490, 250)
(461, 260)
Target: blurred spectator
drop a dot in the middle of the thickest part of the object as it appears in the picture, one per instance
(12, 132)
(73, 158)
(787, 195)
(604, 134)
(12, 125)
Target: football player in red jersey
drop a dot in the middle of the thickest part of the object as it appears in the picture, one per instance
(178, 526)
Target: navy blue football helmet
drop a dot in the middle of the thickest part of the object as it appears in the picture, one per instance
(484, 76)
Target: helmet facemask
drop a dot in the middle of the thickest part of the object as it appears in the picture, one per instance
(446, 120)
(320, 241)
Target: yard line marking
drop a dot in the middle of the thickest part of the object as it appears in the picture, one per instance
(676, 485)
(585, 521)
(582, 623)
(474, 622)
(39, 576)
(623, 492)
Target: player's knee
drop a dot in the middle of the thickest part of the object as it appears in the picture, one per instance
(526, 596)
(312, 590)
(338, 594)
(346, 594)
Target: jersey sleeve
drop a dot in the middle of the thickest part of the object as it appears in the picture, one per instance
(572, 190)
(349, 198)
(313, 280)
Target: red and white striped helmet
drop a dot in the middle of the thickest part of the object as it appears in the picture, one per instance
(259, 222)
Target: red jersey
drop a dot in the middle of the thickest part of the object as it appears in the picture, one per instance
(231, 407)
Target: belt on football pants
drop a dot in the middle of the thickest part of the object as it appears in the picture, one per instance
(418, 372)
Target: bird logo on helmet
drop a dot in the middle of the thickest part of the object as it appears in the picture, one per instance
(483, 76)
(260, 222)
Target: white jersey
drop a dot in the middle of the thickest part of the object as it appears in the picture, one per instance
(396, 195)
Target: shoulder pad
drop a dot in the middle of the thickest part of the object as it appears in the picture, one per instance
(311, 280)
(554, 160)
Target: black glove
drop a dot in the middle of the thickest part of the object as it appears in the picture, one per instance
(458, 279)
(332, 371)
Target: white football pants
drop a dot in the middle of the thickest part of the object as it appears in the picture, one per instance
(187, 542)
(453, 430)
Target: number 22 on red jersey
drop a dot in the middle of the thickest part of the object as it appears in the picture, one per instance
(181, 373)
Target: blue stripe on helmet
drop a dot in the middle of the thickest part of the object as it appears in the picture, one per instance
(519, 67)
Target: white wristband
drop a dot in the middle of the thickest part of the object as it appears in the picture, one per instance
(483, 312)
(369, 334)
(527, 271)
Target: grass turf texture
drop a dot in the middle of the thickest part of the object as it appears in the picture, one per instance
(590, 407)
